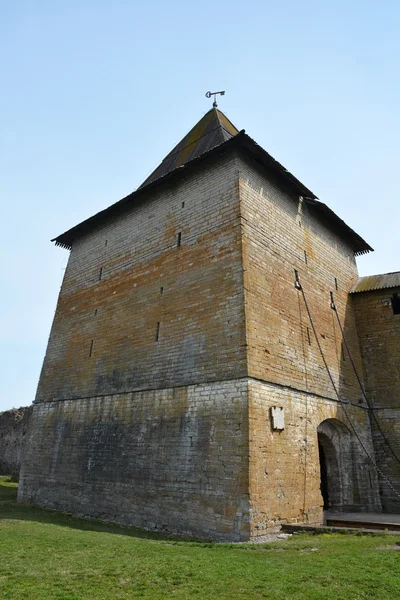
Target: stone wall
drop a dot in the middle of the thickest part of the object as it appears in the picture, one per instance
(154, 298)
(379, 333)
(14, 426)
(151, 301)
(284, 473)
(280, 235)
(173, 460)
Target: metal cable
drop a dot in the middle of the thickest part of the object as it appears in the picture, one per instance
(343, 404)
(333, 306)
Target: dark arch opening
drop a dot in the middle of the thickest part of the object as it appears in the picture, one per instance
(324, 476)
(335, 459)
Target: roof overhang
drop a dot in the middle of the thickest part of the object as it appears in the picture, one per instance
(246, 144)
(373, 283)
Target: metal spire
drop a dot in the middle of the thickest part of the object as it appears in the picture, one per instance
(209, 94)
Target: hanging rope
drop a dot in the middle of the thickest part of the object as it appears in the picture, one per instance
(343, 404)
(333, 307)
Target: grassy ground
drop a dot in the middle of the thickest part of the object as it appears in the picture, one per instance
(45, 555)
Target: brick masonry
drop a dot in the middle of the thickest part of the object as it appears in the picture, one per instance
(130, 275)
(379, 333)
(279, 236)
(284, 469)
(14, 425)
(177, 328)
(173, 460)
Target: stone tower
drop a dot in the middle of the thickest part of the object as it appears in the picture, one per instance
(188, 383)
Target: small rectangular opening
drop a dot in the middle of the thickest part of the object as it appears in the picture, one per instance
(336, 284)
(158, 331)
(95, 311)
(91, 348)
(305, 257)
(183, 205)
(179, 238)
(106, 242)
(100, 273)
(396, 304)
(161, 290)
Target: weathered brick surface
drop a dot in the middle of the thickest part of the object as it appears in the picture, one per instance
(199, 308)
(279, 237)
(284, 475)
(14, 426)
(277, 231)
(379, 333)
(173, 460)
(175, 434)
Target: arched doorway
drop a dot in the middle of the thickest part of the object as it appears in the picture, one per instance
(324, 475)
(336, 464)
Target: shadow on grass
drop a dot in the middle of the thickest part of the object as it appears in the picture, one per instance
(10, 509)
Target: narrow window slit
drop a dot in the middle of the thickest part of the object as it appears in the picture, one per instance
(158, 331)
(183, 205)
(91, 348)
(106, 242)
(297, 283)
(100, 273)
(305, 257)
(179, 239)
(336, 284)
(161, 290)
(95, 311)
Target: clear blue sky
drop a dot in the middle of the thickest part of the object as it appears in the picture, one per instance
(95, 93)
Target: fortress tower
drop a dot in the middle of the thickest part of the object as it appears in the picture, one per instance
(189, 385)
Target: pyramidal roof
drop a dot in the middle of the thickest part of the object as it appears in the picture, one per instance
(211, 131)
(212, 135)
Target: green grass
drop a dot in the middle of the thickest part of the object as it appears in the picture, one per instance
(47, 555)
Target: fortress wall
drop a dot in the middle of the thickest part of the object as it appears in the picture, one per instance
(14, 426)
(281, 234)
(172, 460)
(284, 474)
(140, 415)
(154, 297)
(379, 332)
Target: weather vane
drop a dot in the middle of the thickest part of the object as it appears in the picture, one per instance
(209, 94)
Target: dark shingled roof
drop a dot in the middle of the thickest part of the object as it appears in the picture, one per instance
(213, 135)
(212, 130)
(376, 282)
